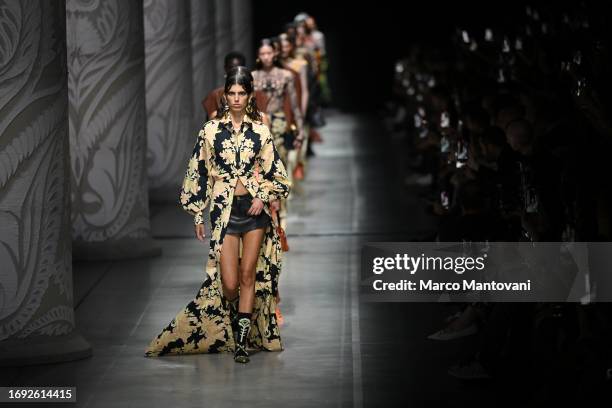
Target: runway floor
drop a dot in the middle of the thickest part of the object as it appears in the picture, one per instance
(338, 352)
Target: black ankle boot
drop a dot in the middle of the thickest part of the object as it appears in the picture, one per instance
(243, 326)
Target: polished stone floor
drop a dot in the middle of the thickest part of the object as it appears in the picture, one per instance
(338, 352)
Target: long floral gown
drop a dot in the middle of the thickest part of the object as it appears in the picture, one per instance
(218, 161)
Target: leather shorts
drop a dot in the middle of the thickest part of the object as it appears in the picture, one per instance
(239, 221)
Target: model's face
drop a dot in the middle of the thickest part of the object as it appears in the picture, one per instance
(237, 99)
(286, 48)
(277, 47)
(517, 139)
(310, 23)
(266, 56)
(300, 30)
(514, 144)
(232, 64)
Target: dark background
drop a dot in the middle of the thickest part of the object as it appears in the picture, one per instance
(365, 39)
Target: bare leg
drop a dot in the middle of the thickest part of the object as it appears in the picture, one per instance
(292, 160)
(251, 245)
(229, 265)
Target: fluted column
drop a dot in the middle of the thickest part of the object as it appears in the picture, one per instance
(169, 95)
(106, 82)
(242, 29)
(223, 35)
(36, 293)
(203, 46)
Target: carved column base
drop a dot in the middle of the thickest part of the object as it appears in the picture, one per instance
(166, 195)
(127, 248)
(43, 350)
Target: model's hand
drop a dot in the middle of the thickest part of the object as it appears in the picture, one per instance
(256, 206)
(297, 143)
(275, 205)
(199, 232)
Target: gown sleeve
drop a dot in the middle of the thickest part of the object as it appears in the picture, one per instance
(197, 185)
(275, 183)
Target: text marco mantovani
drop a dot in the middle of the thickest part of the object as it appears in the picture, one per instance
(459, 265)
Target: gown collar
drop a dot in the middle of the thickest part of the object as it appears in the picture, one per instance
(226, 121)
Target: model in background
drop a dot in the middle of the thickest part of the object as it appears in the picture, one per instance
(215, 100)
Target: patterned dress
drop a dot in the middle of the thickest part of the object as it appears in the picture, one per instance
(279, 85)
(218, 161)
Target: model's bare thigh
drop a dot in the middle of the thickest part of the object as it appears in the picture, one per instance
(229, 264)
(251, 245)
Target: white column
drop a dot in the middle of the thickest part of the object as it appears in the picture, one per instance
(169, 95)
(242, 29)
(223, 35)
(203, 46)
(106, 82)
(36, 293)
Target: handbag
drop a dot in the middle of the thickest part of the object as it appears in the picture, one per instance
(281, 232)
(298, 171)
(289, 138)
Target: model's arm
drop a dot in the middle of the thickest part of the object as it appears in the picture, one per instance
(210, 104)
(304, 82)
(295, 104)
(265, 119)
(322, 44)
(262, 103)
(197, 184)
(275, 183)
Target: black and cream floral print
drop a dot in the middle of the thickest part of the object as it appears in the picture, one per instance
(221, 158)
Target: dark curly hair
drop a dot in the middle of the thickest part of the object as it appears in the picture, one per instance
(240, 75)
